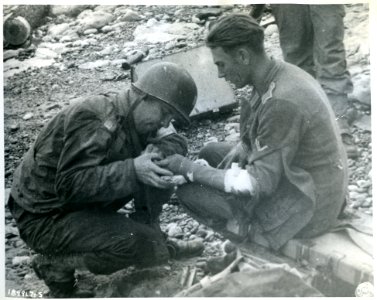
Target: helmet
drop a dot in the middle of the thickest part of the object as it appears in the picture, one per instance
(171, 84)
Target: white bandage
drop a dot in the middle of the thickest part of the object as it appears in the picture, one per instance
(202, 162)
(238, 181)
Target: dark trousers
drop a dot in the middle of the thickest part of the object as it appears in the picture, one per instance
(216, 208)
(311, 37)
(106, 240)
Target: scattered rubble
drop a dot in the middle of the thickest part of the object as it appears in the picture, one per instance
(81, 52)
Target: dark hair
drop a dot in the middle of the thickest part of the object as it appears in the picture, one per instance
(234, 30)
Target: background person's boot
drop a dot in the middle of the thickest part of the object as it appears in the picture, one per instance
(58, 275)
(350, 146)
(344, 116)
(347, 138)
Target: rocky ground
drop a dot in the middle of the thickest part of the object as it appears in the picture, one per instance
(83, 55)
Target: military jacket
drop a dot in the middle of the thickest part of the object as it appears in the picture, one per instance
(294, 154)
(84, 157)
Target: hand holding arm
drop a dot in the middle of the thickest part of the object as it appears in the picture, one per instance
(234, 181)
(148, 172)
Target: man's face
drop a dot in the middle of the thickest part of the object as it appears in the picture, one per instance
(229, 67)
(151, 115)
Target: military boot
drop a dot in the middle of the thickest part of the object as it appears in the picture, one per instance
(58, 275)
(344, 116)
(179, 249)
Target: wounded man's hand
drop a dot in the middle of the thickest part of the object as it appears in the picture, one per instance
(150, 173)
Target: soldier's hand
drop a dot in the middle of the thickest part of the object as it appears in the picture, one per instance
(150, 173)
(172, 163)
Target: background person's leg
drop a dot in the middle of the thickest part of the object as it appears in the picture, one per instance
(295, 34)
(329, 51)
(331, 64)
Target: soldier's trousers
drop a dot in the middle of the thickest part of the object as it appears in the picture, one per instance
(106, 240)
(218, 209)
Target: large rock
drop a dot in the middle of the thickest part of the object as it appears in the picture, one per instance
(14, 66)
(21, 260)
(8, 54)
(45, 53)
(85, 43)
(96, 19)
(108, 50)
(69, 37)
(131, 16)
(209, 12)
(56, 47)
(106, 8)
(95, 64)
(68, 10)
(58, 30)
(361, 89)
(160, 32)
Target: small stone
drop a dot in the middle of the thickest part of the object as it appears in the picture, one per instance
(108, 50)
(233, 119)
(8, 215)
(234, 137)
(69, 38)
(352, 188)
(28, 116)
(107, 29)
(364, 183)
(181, 45)
(211, 139)
(174, 230)
(91, 31)
(14, 127)
(201, 233)
(210, 236)
(170, 45)
(230, 126)
(228, 246)
(11, 231)
(131, 16)
(30, 276)
(53, 106)
(21, 260)
(19, 244)
(94, 65)
(196, 20)
(209, 12)
(178, 12)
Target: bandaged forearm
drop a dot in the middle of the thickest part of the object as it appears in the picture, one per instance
(235, 181)
(238, 181)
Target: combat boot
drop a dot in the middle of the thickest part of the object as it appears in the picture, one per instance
(58, 275)
(179, 249)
